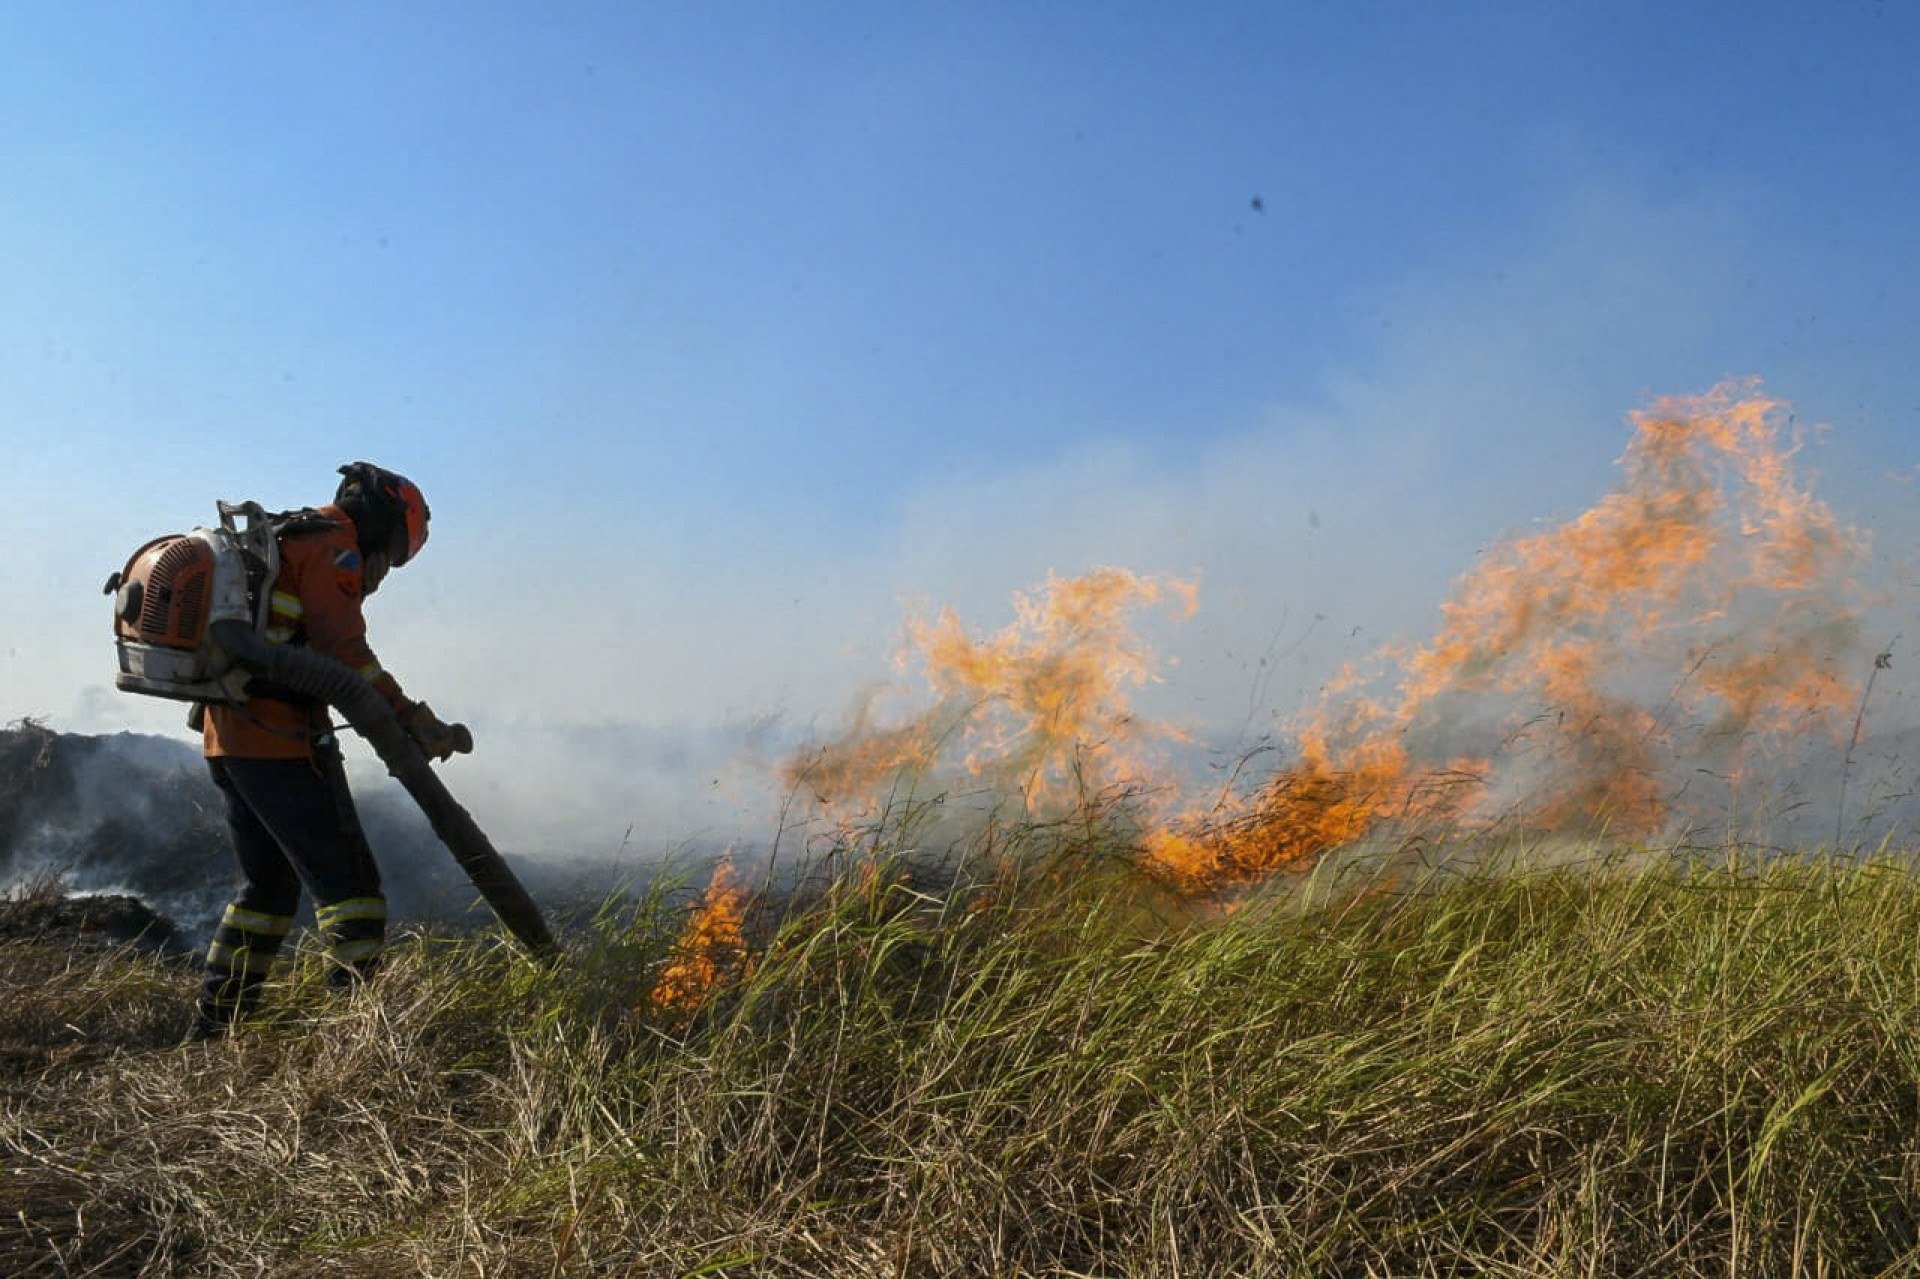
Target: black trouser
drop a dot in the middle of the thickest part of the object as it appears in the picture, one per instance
(293, 824)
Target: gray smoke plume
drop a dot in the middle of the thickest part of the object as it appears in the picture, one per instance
(134, 814)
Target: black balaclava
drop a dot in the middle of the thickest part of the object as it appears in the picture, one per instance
(376, 518)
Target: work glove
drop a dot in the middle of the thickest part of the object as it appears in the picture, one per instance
(435, 738)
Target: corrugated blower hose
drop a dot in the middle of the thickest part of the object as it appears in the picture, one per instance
(302, 670)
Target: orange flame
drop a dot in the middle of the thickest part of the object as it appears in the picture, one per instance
(1579, 675)
(1710, 586)
(712, 948)
(1039, 710)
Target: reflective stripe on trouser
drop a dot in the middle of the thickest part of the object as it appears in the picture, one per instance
(355, 929)
(294, 827)
(239, 960)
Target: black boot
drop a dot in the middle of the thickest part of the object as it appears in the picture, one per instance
(206, 1028)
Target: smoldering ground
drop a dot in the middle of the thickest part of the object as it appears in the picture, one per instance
(138, 814)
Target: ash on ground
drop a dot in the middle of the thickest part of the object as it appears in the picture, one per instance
(89, 920)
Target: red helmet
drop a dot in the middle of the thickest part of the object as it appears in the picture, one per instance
(387, 508)
(415, 517)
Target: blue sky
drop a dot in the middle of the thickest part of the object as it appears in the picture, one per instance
(716, 331)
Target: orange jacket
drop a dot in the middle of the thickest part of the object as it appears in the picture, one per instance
(316, 601)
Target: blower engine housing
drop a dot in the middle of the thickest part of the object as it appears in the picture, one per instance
(173, 590)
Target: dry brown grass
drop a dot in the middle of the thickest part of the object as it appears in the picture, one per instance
(1672, 1070)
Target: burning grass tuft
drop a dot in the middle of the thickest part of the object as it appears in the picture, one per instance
(1637, 1064)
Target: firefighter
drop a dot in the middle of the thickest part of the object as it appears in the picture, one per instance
(277, 762)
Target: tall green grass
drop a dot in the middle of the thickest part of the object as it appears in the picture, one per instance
(1644, 1066)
